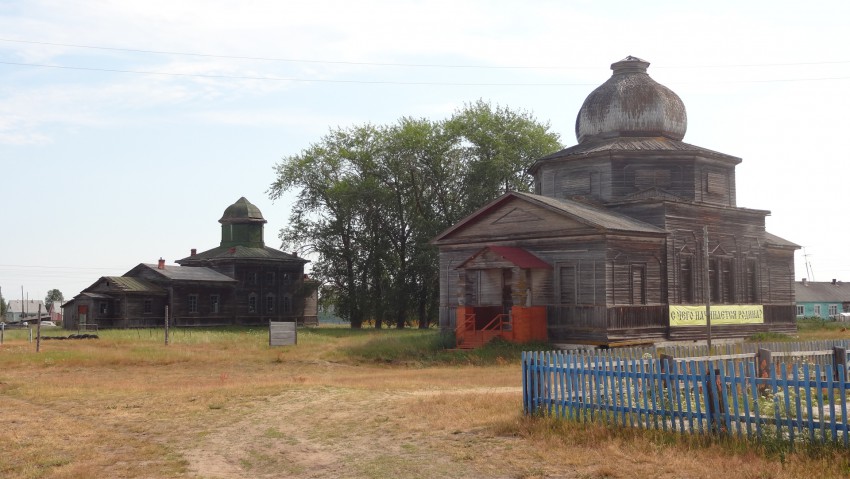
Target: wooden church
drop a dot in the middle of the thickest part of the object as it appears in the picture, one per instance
(240, 282)
(626, 238)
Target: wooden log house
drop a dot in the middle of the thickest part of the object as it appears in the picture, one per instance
(610, 249)
(240, 282)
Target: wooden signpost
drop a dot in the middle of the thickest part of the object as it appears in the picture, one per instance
(282, 333)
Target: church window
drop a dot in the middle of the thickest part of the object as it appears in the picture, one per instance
(270, 277)
(252, 303)
(686, 279)
(637, 284)
(728, 281)
(752, 282)
(649, 177)
(215, 301)
(578, 184)
(287, 304)
(270, 303)
(721, 279)
(568, 284)
(716, 183)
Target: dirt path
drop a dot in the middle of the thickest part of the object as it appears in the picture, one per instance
(357, 434)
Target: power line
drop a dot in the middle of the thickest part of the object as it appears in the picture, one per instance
(268, 78)
(375, 82)
(53, 267)
(392, 64)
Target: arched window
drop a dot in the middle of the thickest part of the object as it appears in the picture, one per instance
(252, 303)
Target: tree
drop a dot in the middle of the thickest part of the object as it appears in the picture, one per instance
(53, 295)
(370, 198)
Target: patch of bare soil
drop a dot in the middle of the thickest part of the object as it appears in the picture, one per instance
(348, 433)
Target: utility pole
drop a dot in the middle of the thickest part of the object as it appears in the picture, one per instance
(38, 331)
(707, 281)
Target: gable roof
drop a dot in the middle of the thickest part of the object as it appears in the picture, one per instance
(29, 306)
(774, 240)
(592, 216)
(186, 273)
(241, 252)
(129, 284)
(821, 292)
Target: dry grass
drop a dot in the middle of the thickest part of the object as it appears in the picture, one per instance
(221, 404)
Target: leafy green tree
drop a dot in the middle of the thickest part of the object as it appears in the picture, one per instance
(53, 295)
(370, 198)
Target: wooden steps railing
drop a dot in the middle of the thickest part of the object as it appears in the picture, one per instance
(471, 338)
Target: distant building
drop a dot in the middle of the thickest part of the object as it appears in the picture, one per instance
(822, 299)
(26, 310)
(56, 314)
(611, 247)
(240, 282)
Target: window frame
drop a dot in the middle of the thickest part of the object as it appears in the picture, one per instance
(192, 303)
(215, 303)
(637, 293)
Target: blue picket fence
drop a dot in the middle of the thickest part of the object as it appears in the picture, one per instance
(800, 401)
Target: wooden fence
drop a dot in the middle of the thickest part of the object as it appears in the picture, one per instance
(803, 401)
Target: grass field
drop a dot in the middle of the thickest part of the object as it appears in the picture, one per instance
(342, 404)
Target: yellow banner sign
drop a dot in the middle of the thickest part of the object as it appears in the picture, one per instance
(720, 314)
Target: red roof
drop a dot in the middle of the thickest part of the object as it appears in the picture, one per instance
(518, 256)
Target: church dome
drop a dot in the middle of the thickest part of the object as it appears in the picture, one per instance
(242, 212)
(631, 103)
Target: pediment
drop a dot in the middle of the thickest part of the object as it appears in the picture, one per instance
(499, 257)
(517, 217)
(525, 215)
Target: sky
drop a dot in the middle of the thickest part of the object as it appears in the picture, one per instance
(127, 127)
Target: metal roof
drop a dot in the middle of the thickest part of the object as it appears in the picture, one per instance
(190, 273)
(821, 292)
(128, 284)
(26, 306)
(243, 211)
(771, 238)
(241, 252)
(630, 143)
